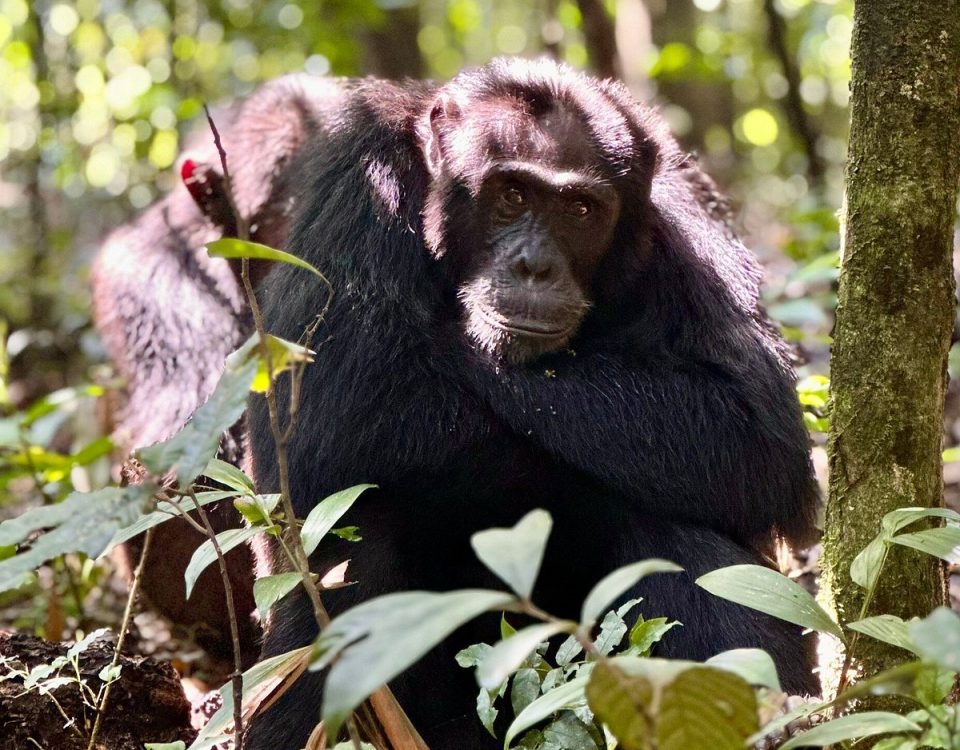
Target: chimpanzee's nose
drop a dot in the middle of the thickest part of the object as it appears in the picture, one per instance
(533, 266)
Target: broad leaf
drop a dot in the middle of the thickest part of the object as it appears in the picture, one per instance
(941, 542)
(902, 517)
(937, 638)
(229, 247)
(165, 512)
(84, 522)
(765, 590)
(323, 517)
(866, 566)
(271, 589)
(624, 703)
(229, 476)
(708, 708)
(645, 634)
(206, 553)
(375, 641)
(515, 554)
(752, 664)
(507, 655)
(190, 450)
(569, 695)
(283, 355)
(854, 726)
(613, 585)
(887, 628)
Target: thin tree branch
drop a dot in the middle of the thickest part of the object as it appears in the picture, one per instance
(793, 104)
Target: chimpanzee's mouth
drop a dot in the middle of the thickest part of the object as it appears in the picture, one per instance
(524, 327)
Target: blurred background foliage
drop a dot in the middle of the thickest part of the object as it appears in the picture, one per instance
(97, 95)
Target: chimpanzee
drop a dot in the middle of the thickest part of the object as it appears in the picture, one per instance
(169, 315)
(538, 303)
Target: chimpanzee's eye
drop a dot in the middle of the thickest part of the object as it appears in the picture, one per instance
(514, 197)
(579, 207)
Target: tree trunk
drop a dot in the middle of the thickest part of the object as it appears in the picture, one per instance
(896, 302)
(390, 50)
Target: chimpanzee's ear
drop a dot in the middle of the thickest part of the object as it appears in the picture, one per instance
(206, 187)
(445, 110)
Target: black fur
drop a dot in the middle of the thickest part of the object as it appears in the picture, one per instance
(672, 431)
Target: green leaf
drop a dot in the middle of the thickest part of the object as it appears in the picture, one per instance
(271, 589)
(854, 726)
(84, 522)
(902, 517)
(645, 634)
(569, 733)
(259, 682)
(178, 745)
(767, 591)
(903, 679)
(229, 476)
(189, 451)
(206, 553)
(486, 711)
(515, 554)
(375, 641)
(866, 566)
(165, 512)
(326, 514)
(937, 638)
(524, 689)
(569, 695)
(508, 655)
(229, 247)
(708, 708)
(783, 720)
(624, 703)
(887, 628)
(283, 355)
(612, 630)
(614, 584)
(471, 656)
(753, 665)
(941, 542)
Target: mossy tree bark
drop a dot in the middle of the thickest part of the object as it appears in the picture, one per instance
(896, 301)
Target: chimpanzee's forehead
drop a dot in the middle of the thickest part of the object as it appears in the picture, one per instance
(557, 136)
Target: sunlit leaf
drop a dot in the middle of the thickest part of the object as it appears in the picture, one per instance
(326, 513)
(941, 542)
(937, 638)
(752, 664)
(507, 655)
(887, 628)
(268, 590)
(206, 553)
(515, 554)
(84, 522)
(617, 583)
(767, 591)
(234, 248)
(375, 641)
(854, 726)
(190, 450)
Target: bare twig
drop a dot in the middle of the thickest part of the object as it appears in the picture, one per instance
(793, 106)
(124, 627)
(236, 677)
(600, 37)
